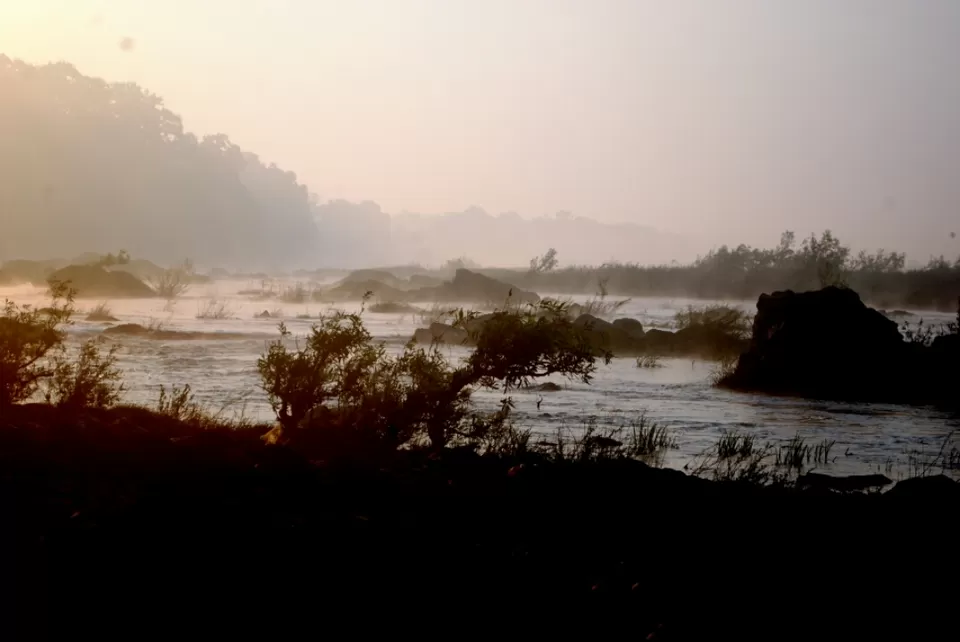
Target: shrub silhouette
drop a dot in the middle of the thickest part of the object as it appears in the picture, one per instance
(27, 337)
(33, 353)
(339, 382)
(92, 380)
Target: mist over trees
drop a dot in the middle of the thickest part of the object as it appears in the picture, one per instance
(87, 165)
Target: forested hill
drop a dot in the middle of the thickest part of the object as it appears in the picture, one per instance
(87, 165)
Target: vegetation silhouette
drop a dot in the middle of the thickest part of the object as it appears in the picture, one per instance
(382, 486)
(745, 272)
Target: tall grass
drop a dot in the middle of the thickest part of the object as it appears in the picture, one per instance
(599, 306)
(649, 361)
(101, 312)
(740, 457)
(641, 439)
(725, 319)
(215, 310)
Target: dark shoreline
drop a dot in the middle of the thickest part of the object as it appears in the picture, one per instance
(126, 522)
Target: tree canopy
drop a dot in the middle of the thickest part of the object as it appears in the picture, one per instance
(87, 165)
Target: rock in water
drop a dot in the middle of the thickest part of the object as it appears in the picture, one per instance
(824, 344)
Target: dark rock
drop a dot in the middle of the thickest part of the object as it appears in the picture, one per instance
(824, 344)
(938, 487)
(393, 307)
(850, 483)
(658, 341)
(378, 276)
(137, 330)
(549, 386)
(894, 314)
(606, 336)
(356, 290)
(468, 286)
(632, 327)
(131, 329)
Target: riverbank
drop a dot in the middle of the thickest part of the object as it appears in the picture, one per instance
(125, 521)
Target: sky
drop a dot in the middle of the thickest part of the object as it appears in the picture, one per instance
(724, 121)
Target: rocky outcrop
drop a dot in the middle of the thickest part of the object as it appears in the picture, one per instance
(468, 286)
(828, 344)
(381, 276)
(95, 281)
(632, 327)
(608, 337)
(931, 487)
(140, 332)
(356, 290)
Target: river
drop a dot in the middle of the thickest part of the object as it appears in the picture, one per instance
(869, 438)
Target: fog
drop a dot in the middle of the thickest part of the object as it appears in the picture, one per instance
(375, 132)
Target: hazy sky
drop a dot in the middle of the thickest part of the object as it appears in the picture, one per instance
(730, 120)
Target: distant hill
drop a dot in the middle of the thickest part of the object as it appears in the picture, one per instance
(90, 166)
(360, 234)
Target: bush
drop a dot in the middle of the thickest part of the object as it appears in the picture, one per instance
(101, 312)
(28, 338)
(214, 310)
(90, 381)
(723, 319)
(174, 282)
(338, 382)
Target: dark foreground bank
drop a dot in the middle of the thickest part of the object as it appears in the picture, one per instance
(126, 524)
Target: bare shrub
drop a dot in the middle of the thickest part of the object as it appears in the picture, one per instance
(725, 366)
(598, 305)
(297, 293)
(173, 282)
(724, 319)
(101, 312)
(215, 310)
(436, 313)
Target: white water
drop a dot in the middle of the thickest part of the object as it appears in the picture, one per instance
(222, 374)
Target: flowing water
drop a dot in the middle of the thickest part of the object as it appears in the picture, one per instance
(222, 373)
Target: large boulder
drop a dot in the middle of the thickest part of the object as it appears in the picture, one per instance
(632, 327)
(367, 275)
(822, 344)
(606, 336)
